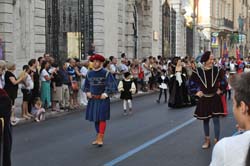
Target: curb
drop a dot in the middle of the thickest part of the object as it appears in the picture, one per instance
(53, 115)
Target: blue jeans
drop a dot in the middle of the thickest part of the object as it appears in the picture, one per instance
(216, 121)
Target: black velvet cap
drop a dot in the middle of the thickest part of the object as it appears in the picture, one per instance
(205, 57)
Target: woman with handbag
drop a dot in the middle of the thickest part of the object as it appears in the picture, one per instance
(72, 71)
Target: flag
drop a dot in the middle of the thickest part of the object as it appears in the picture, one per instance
(237, 53)
(225, 51)
(195, 4)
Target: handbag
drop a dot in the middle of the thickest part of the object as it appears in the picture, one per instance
(75, 86)
(141, 73)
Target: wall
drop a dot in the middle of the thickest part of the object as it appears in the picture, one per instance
(157, 27)
(111, 27)
(23, 30)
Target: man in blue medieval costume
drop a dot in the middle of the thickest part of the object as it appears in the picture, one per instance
(99, 85)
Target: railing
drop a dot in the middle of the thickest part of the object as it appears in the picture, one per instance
(226, 23)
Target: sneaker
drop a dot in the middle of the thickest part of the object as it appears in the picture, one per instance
(37, 120)
(14, 121)
(158, 101)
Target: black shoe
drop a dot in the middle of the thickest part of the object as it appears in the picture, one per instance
(158, 101)
(125, 113)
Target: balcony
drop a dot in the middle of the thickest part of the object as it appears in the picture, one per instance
(225, 23)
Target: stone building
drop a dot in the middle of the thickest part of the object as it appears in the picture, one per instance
(29, 28)
(22, 29)
(225, 25)
(130, 26)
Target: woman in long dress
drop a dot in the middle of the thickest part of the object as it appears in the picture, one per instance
(178, 91)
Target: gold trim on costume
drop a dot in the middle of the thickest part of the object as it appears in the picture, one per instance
(206, 117)
(214, 81)
(209, 95)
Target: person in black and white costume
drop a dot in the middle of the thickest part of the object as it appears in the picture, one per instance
(163, 85)
(127, 88)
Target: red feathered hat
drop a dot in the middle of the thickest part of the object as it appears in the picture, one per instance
(97, 57)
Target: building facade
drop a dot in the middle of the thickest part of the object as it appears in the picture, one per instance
(29, 28)
(225, 24)
(22, 30)
(133, 27)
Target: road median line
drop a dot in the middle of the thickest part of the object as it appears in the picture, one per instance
(149, 143)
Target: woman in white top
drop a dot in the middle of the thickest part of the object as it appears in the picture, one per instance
(45, 84)
(235, 150)
(26, 88)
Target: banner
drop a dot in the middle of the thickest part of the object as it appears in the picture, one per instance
(214, 42)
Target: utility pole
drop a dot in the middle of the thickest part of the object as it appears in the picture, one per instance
(135, 28)
(194, 29)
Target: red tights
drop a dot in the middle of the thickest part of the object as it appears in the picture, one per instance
(100, 127)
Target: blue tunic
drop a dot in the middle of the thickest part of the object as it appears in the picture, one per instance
(98, 82)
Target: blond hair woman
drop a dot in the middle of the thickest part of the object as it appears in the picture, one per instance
(11, 86)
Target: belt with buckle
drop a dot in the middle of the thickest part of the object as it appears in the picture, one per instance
(96, 96)
(209, 95)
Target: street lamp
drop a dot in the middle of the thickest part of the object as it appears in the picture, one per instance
(194, 31)
(135, 28)
(183, 26)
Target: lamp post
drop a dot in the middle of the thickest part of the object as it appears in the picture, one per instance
(183, 12)
(194, 31)
(135, 28)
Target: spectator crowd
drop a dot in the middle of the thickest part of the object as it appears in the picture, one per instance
(46, 84)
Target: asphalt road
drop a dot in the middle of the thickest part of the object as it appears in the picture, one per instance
(154, 135)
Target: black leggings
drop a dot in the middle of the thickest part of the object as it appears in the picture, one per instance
(216, 121)
(165, 94)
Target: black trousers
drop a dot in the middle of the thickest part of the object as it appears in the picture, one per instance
(165, 94)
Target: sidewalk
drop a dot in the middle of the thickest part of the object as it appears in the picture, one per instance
(49, 114)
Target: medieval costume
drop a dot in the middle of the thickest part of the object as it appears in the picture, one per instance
(208, 81)
(163, 85)
(127, 88)
(6, 128)
(178, 91)
(99, 82)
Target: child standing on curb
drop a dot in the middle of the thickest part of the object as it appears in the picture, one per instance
(127, 87)
(163, 85)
